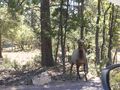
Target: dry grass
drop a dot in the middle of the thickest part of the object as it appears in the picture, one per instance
(21, 57)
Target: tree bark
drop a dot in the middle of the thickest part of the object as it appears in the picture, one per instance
(1, 38)
(114, 58)
(97, 34)
(0, 44)
(62, 36)
(82, 19)
(104, 34)
(46, 42)
(110, 37)
(57, 48)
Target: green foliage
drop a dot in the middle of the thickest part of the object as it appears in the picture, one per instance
(37, 59)
(36, 1)
(24, 34)
(6, 62)
(7, 24)
(17, 32)
(16, 65)
(15, 6)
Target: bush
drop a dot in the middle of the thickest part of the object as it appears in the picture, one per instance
(6, 62)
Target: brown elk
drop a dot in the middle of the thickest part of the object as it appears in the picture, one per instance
(79, 58)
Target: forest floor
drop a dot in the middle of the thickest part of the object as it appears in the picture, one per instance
(58, 81)
(12, 80)
(76, 85)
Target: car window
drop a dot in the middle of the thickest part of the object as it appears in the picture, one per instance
(114, 79)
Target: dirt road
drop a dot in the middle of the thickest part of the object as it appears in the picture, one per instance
(73, 85)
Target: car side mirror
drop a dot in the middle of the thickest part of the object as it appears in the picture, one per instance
(111, 77)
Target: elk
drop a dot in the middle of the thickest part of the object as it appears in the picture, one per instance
(79, 59)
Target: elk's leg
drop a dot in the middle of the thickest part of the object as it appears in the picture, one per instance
(78, 75)
(71, 69)
(85, 66)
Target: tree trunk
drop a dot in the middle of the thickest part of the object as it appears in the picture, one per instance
(0, 44)
(110, 37)
(115, 20)
(104, 35)
(62, 36)
(97, 34)
(46, 42)
(82, 19)
(57, 48)
(114, 58)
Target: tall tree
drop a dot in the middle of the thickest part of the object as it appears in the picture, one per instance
(104, 34)
(0, 40)
(111, 28)
(97, 33)
(62, 35)
(46, 42)
(82, 19)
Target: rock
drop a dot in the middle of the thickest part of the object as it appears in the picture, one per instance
(42, 79)
(1, 82)
(28, 82)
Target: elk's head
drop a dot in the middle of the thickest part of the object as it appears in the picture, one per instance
(80, 43)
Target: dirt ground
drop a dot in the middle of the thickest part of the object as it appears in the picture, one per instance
(93, 83)
(58, 82)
